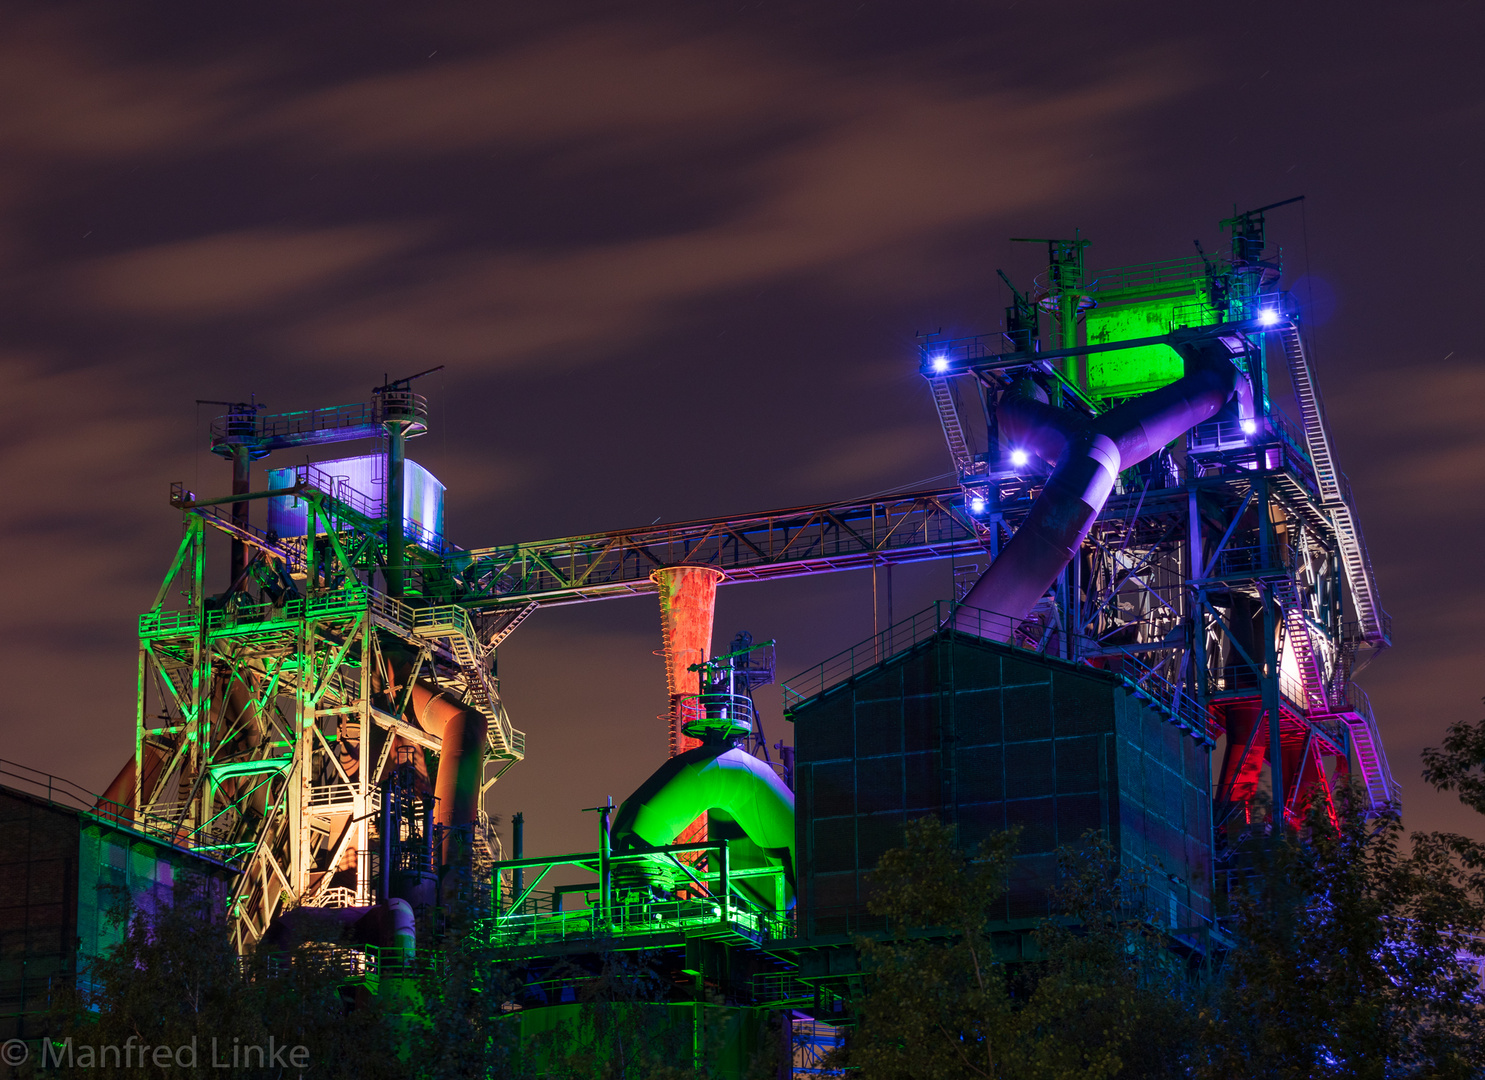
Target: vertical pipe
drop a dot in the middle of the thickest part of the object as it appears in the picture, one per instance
(723, 885)
(605, 866)
(518, 850)
(1272, 620)
(365, 782)
(1271, 624)
(393, 508)
(241, 485)
(389, 812)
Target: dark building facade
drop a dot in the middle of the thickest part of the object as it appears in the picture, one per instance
(990, 737)
(62, 870)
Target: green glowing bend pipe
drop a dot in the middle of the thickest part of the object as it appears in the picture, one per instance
(713, 776)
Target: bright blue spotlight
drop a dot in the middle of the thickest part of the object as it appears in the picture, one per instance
(1019, 458)
(940, 363)
(1249, 427)
(977, 505)
(1268, 316)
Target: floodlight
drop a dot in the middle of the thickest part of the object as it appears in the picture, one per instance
(1268, 316)
(1249, 426)
(1019, 458)
(977, 505)
(940, 363)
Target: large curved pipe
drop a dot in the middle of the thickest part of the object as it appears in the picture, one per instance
(462, 729)
(388, 925)
(1090, 458)
(713, 776)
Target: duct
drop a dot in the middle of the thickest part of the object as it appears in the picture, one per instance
(388, 925)
(120, 792)
(457, 790)
(714, 776)
(1243, 761)
(461, 730)
(1039, 428)
(1090, 458)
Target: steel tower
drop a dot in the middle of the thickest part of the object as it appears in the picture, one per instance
(1230, 561)
(270, 714)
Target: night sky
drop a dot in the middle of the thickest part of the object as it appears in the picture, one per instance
(674, 257)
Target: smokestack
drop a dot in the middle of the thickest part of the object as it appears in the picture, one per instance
(688, 601)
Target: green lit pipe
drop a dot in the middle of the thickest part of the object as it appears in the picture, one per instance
(714, 776)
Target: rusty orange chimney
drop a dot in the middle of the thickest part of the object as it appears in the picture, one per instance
(688, 600)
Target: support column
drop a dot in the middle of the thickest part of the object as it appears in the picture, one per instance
(396, 527)
(1273, 618)
(241, 485)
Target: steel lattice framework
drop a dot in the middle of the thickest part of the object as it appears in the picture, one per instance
(1230, 569)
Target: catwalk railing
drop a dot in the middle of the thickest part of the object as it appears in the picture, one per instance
(66, 795)
(1027, 635)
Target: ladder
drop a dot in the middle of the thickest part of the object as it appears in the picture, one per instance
(1335, 492)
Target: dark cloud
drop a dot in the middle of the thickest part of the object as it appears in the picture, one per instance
(675, 258)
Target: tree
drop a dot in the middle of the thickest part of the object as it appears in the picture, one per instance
(1459, 766)
(937, 1004)
(1112, 996)
(1108, 998)
(174, 982)
(460, 1025)
(1348, 960)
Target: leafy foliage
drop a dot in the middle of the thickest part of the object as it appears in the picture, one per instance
(174, 980)
(1459, 765)
(460, 1025)
(938, 1005)
(1109, 978)
(941, 1003)
(1349, 958)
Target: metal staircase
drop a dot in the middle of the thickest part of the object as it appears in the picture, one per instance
(948, 418)
(1297, 630)
(1346, 701)
(1356, 714)
(451, 625)
(1335, 492)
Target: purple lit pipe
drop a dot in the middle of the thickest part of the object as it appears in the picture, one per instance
(1088, 457)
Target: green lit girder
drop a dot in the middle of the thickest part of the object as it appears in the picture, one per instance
(724, 911)
(252, 720)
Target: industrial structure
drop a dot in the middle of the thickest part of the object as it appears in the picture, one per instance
(1163, 566)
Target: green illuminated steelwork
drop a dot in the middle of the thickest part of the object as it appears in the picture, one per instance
(256, 717)
(719, 779)
(723, 909)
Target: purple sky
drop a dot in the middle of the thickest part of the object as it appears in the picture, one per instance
(674, 256)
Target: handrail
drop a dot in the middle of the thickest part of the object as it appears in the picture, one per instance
(1028, 635)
